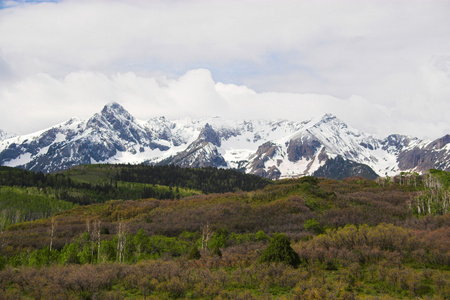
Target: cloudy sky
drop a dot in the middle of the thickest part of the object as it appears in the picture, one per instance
(381, 66)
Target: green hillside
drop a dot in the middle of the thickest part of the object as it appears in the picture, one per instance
(27, 196)
(329, 239)
(206, 180)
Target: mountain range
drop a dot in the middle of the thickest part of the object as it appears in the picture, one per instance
(323, 146)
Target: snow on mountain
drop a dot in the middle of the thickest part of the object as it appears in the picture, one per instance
(273, 149)
(5, 135)
(305, 151)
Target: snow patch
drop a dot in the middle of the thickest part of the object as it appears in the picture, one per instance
(21, 160)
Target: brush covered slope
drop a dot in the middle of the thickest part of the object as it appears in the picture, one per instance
(272, 149)
(27, 196)
(351, 239)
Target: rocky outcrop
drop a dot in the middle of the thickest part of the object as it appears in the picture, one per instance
(340, 168)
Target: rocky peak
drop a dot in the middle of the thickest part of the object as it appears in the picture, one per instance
(113, 107)
(325, 119)
(328, 118)
(270, 148)
(395, 141)
(72, 121)
(114, 110)
(441, 142)
(331, 121)
(208, 134)
(113, 116)
(160, 128)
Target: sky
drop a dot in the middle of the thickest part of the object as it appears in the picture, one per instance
(381, 66)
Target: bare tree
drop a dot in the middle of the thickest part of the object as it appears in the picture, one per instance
(207, 233)
(121, 241)
(97, 230)
(88, 225)
(52, 231)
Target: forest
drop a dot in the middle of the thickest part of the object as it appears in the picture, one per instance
(28, 196)
(224, 235)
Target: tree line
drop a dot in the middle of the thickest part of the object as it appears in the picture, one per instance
(208, 180)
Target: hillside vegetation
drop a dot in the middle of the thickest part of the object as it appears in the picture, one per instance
(28, 196)
(304, 238)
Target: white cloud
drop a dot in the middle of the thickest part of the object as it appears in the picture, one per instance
(372, 58)
(324, 35)
(42, 101)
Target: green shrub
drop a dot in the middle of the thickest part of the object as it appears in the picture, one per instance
(280, 250)
(261, 236)
(314, 225)
(194, 253)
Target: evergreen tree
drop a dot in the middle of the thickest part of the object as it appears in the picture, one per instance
(194, 253)
(280, 250)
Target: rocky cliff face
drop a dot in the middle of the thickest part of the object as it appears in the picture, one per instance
(202, 152)
(425, 156)
(272, 149)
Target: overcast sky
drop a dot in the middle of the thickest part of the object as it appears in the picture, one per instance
(381, 66)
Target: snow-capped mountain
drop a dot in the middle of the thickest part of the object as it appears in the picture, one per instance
(5, 135)
(273, 149)
(321, 139)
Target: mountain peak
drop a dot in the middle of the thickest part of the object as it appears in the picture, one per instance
(208, 134)
(114, 110)
(330, 120)
(275, 149)
(113, 107)
(326, 121)
(328, 117)
(112, 115)
(441, 142)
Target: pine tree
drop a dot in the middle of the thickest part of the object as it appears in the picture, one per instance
(280, 250)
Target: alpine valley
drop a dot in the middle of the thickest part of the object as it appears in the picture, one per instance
(323, 146)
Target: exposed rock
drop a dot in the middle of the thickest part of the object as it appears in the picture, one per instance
(304, 147)
(339, 168)
(273, 149)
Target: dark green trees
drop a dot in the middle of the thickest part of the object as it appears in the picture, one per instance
(280, 250)
(194, 253)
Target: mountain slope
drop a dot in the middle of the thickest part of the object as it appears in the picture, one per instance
(272, 149)
(339, 168)
(200, 153)
(5, 135)
(321, 139)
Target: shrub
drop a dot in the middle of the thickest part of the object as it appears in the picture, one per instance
(194, 253)
(280, 250)
(314, 225)
(261, 236)
(216, 252)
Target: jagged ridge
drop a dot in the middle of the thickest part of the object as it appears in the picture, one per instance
(272, 149)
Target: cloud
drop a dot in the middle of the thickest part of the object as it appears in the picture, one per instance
(335, 41)
(370, 61)
(42, 101)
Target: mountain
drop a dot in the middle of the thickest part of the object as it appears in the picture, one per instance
(203, 152)
(340, 168)
(271, 149)
(5, 135)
